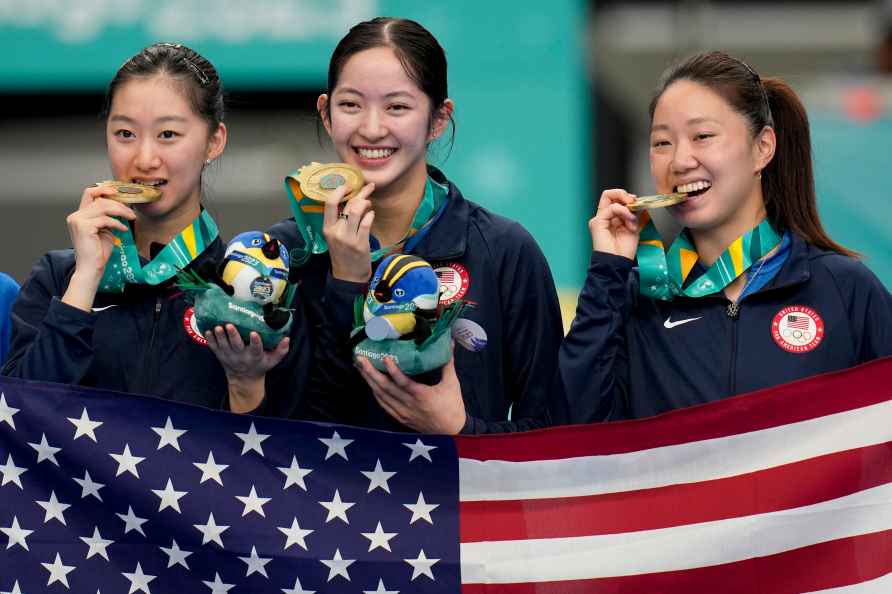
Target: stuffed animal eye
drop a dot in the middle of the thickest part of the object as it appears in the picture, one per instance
(399, 292)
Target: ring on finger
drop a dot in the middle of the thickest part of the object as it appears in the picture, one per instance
(343, 216)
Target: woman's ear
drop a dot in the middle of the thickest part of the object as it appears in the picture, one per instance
(764, 147)
(441, 120)
(323, 107)
(217, 142)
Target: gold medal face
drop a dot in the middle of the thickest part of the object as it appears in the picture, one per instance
(130, 193)
(658, 201)
(318, 180)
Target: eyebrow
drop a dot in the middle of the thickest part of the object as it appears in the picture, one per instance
(690, 122)
(387, 96)
(161, 120)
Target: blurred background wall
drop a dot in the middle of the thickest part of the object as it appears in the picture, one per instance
(551, 103)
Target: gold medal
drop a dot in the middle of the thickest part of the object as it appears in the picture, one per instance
(318, 180)
(658, 201)
(130, 193)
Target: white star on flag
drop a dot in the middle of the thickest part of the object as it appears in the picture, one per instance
(419, 450)
(336, 446)
(253, 503)
(297, 589)
(16, 534)
(256, 564)
(421, 565)
(337, 566)
(252, 440)
(381, 589)
(421, 510)
(138, 580)
(217, 586)
(15, 589)
(169, 436)
(176, 555)
(294, 474)
(7, 412)
(336, 508)
(58, 571)
(132, 521)
(378, 478)
(211, 532)
(127, 462)
(295, 535)
(53, 508)
(45, 451)
(97, 544)
(12, 473)
(85, 426)
(169, 497)
(210, 470)
(379, 538)
(88, 487)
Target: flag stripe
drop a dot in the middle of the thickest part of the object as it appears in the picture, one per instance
(863, 386)
(673, 549)
(834, 564)
(881, 585)
(684, 463)
(753, 493)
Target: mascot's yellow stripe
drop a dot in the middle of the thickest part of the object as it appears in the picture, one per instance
(393, 264)
(688, 259)
(189, 240)
(402, 271)
(736, 251)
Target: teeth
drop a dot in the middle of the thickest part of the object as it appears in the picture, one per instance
(694, 186)
(375, 153)
(150, 182)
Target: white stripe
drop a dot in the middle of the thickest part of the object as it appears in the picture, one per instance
(677, 464)
(881, 585)
(671, 549)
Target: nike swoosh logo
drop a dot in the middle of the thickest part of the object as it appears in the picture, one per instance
(103, 308)
(670, 324)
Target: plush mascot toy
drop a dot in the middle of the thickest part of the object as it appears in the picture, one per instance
(248, 289)
(400, 317)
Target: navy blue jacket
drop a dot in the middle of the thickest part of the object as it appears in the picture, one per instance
(8, 291)
(516, 304)
(136, 341)
(629, 356)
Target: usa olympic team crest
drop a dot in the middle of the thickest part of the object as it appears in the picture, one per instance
(191, 327)
(454, 282)
(797, 329)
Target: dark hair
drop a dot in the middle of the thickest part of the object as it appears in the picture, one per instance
(788, 184)
(418, 51)
(198, 78)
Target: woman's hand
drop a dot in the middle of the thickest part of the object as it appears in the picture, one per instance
(436, 409)
(245, 365)
(347, 234)
(90, 228)
(614, 227)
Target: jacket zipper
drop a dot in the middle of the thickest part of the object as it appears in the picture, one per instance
(733, 312)
(149, 369)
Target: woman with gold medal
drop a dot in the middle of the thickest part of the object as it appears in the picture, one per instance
(752, 293)
(108, 313)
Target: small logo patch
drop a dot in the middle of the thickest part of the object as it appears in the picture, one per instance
(454, 282)
(191, 327)
(797, 329)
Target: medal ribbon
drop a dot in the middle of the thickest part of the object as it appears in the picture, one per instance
(124, 266)
(663, 273)
(309, 216)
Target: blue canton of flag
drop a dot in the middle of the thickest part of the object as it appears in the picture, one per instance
(104, 493)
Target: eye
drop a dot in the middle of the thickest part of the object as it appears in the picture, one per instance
(399, 292)
(122, 133)
(659, 143)
(703, 136)
(399, 107)
(168, 134)
(348, 105)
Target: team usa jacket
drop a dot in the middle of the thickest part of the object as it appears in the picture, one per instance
(480, 257)
(143, 340)
(629, 356)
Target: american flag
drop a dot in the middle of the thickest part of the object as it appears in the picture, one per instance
(781, 491)
(798, 322)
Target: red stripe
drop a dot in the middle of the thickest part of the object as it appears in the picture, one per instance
(797, 401)
(831, 564)
(784, 487)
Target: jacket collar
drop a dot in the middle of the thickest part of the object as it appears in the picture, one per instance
(448, 238)
(797, 268)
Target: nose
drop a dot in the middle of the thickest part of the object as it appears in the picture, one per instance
(372, 126)
(683, 158)
(147, 157)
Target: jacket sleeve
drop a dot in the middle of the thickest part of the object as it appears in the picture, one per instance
(532, 332)
(869, 307)
(593, 366)
(51, 341)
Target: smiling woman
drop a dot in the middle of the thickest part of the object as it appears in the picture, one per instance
(752, 293)
(107, 313)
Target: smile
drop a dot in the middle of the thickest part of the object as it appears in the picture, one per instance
(155, 183)
(374, 153)
(694, 188)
